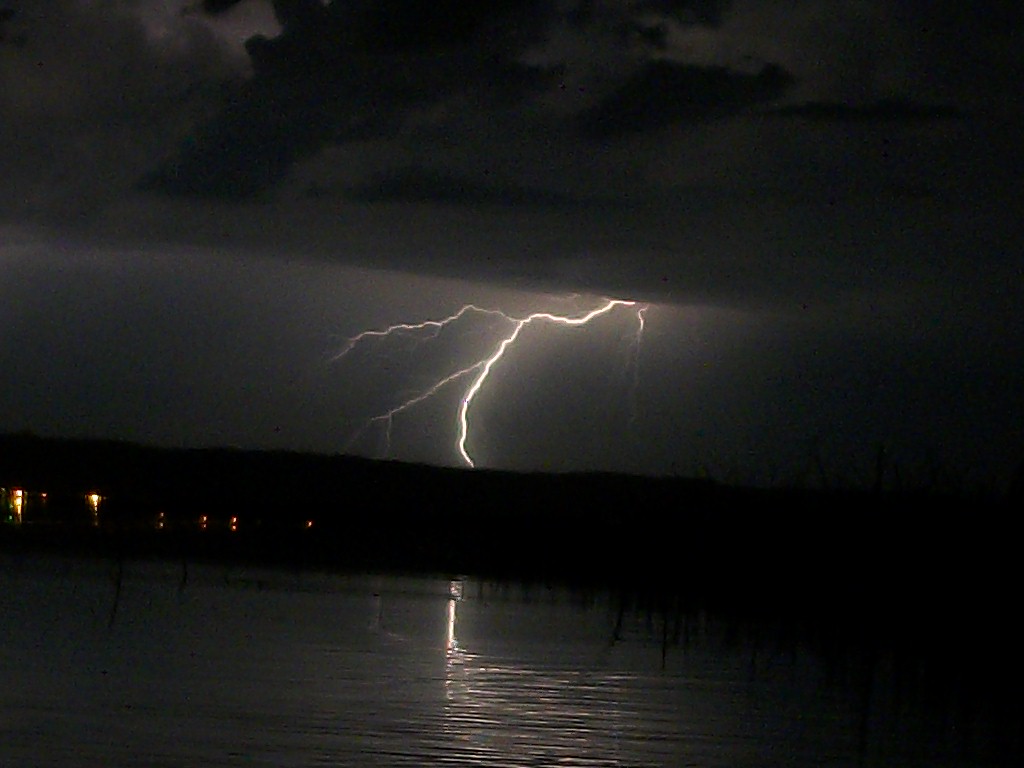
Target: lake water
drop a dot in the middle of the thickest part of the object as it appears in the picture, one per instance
(242, 667)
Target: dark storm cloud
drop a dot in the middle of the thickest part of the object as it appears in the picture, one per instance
(666, 92)
(89, 98)
(645, 24)
(968, 49)
(349, 71)
(347, 105)
(419, 185)
(344, 72)
(882, 111)
(706, 12)
(7, 35)
(702, 12)
(218, 6)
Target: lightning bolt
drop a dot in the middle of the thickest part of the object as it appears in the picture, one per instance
(388, 416)
(508, 341)
(484, 365)
(432, 325)
(634, 363)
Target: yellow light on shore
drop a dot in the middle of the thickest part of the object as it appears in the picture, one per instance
(93, 500)
(18, 498)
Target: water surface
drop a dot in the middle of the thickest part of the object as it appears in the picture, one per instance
(241, 667)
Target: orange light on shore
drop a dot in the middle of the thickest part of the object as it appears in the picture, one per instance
(309, 524)
(93, 500)
(18, 499)
(234, 523)
(203, 521)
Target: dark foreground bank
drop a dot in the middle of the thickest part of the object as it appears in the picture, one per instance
(902, 557)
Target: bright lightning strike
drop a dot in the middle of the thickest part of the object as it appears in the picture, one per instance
(486, 364)
(389, 416)
(635, 363)
(432, 325)
(508, 341)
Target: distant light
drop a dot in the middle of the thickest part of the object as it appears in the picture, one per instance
(19, 504)
(234, 523)
(309, 524)
(202, 522)
(160, 521)
(93, 500)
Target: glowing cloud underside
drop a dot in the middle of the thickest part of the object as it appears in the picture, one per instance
(485, 365)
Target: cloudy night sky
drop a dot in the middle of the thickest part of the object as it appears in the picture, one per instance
(816, 200)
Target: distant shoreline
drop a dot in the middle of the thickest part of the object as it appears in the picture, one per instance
(761, 550)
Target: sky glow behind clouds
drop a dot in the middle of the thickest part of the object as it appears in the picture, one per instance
(209, 198)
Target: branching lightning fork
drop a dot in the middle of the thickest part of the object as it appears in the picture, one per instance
(427, 325)
(484, 365)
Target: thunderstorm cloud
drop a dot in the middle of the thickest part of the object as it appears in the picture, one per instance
(833, 184)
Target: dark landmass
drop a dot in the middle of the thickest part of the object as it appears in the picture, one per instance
(764, 549)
